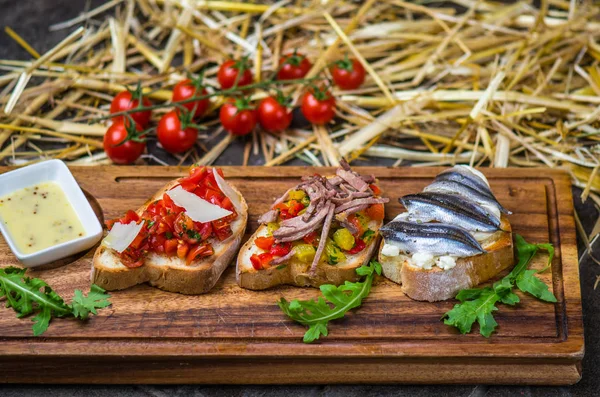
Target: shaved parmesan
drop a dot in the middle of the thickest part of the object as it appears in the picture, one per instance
(196, 208)
(121, 235)
(228, 190)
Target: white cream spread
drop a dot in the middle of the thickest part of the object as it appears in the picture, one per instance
(390, 250)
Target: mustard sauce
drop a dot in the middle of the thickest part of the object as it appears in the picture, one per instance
(39, 216)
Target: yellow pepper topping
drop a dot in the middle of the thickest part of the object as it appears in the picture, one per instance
(297, 195)
(344, 239)
(305, 252)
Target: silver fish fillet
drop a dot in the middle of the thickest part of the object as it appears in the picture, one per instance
(434, 238)
(466, 176)
(458, 189)
(452, 209)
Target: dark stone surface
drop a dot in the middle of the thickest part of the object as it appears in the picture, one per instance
(31, 18)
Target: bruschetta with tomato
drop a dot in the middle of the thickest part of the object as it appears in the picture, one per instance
(317, 233)
(181, 240)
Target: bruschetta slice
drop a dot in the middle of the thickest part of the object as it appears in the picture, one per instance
(454, 235)
(181, 240)
(317, 233)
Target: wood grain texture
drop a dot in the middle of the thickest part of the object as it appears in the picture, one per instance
(161, 337)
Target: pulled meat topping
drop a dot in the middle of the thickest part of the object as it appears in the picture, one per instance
(331, 199)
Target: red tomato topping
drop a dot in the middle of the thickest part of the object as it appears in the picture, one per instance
(375, 212)
(359, 245)
(169, 231)
(261, 261)
(264, 243)
(311, 238)
(280, 249)
(376, 190)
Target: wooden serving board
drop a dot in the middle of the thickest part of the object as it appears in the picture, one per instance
(232, 335)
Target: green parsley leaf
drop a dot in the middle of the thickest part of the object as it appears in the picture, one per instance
(334, 303)
(168, 235)
(367, 236)
(283, 266)
(27, 296)
(149, 224)
(193, 234)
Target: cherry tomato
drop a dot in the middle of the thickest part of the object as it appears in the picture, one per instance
(186, 89)
(174, 135)
(293, 66)
(348, 74)
(127, 152)
(229, 71)
(125, 101)
(318, 107)
(273, 115)
(237, 117)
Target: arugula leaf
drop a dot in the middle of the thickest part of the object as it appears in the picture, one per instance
(84, 305)
(478, 304)
(463, 315)
(528, 282)
(336, 302)
(27, 296)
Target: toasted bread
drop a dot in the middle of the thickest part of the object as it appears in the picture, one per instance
(437, 284)
(170, 273)
(296, 272)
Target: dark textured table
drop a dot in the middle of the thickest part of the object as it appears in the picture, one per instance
(31, 18)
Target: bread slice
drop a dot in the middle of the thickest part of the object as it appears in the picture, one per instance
(170, 273)
(437, 284)
(296, 272)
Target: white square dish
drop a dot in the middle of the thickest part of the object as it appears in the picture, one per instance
(52, 171)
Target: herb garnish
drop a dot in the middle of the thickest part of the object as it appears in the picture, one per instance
(32, 295)
(477, 304)
(193, 234)
(317, 314)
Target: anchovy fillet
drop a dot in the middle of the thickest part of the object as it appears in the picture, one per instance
(467, 177)
(467, 192)
(448, 208)
(434, 238)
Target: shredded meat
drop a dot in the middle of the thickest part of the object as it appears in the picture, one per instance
(361, 201)
(268, 217)
(330, 198)
(324, 234)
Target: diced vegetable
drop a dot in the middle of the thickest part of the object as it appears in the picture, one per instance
(334, 253)
(359, 246)
(344, 239)
(368, 235)
(376, 190)
(305, 201)
(376, 212)
(264, 243)
(261, 261)
(280, 249)
(311, 238)
(271, 227)
(297, 195)
(305, 253)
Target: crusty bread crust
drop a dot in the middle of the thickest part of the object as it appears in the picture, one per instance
(296, 272)
(170, 273)
(437, 284)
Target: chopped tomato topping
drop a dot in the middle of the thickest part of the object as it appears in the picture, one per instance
(311, 238)
(261, 261)
(264, 243)
(169, 231)
(354, 220)
(376, 190)
(359, 245)
(280, 249)
(199, 252)
(376, 212)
